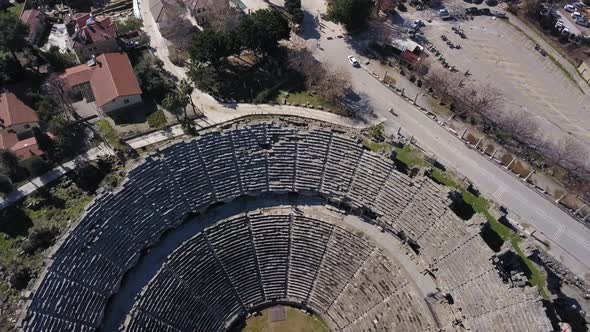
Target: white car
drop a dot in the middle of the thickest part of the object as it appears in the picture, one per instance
(569, 8)
(575, 15)
(417, 24)
(353, 61)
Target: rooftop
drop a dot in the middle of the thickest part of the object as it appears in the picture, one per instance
(14, 112)
(112, 76)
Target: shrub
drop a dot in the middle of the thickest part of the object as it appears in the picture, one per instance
(157, 119)
(412, 78)
(297, 16)
(40, 239)
(87, 176)
(5, 184)
(58, 60)
(129, 25)
(36, 166)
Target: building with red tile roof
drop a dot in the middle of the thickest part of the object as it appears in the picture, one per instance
(37, 23)
(92, 35)
(108, 81)
(27, 148)
(15, 116)
(16, 123)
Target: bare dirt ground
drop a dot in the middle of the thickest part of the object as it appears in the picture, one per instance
(495, 52)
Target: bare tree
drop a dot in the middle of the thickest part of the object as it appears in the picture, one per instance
(567, 152)
(444, 83)
(386, 6)
(57, 89)
(520, 125)
(334, 84)
(221, 16)
(485, 100)
(301, 60)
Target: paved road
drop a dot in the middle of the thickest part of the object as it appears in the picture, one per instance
(569, 237)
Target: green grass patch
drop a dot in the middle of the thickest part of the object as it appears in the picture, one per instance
(437, 108)
(16, 10)
(302, 98)
(27, 229)
(157, 119)
(374, 146)
(410, 157)
(109, 133)
(296, 321)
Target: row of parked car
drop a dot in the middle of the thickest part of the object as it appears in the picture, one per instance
(575, 14)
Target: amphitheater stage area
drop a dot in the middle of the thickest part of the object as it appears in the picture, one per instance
(207, 232)
(294, 320)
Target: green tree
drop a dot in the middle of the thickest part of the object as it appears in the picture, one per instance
(14, 34)
(353, 14)
(59, 61)
(173, 104)
(262, 30)
(5, 184)
(186, 89)
(153, 80)
(209, 47)
(205, 78)
(9, 163)
(44, 142)
(292, 5)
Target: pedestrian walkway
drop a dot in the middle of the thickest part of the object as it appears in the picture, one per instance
(235, 111)
(41, 181)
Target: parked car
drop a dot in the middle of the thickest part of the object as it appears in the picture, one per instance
(559, 26)
(500, 15)
(353, 61)
(565, 31)
(575, 15)
(485, 11)
(569, 8)
(417, 24)
(582, 21)
(472, 11)
(444, 14)
(579, 5)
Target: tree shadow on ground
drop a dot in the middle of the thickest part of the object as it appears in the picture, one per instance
(15, 221)
(359, 107)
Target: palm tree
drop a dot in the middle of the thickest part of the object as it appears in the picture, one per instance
(186, 88)
(172, 104)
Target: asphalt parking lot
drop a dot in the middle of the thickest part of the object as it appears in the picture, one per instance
(495, 52)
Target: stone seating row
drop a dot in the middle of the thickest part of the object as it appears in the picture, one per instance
(189, 176)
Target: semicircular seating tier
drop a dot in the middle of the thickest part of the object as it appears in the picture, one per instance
(265, 258)
(178, 181)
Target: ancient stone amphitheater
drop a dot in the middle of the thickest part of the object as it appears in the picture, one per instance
(334, 258)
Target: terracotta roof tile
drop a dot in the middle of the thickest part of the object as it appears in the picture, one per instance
(102, 28)
(111, 77)
(13, 111)
(27, 148)
(7, 140)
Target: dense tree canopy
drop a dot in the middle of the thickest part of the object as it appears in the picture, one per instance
(259, 32)
(353, 14)
(210, 46)
(14, 32)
